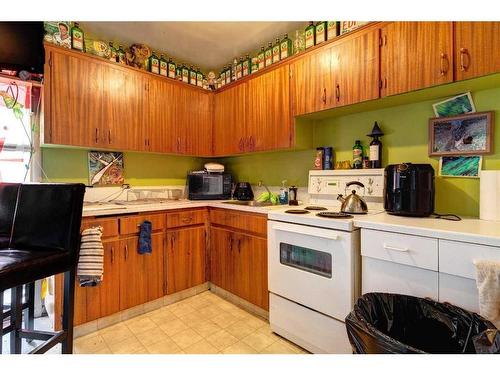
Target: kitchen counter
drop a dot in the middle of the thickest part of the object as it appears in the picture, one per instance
(472, 230)
(113, 209)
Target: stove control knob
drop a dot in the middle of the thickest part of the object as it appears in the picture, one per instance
(370, 181)
(318, 185)
(369, 191)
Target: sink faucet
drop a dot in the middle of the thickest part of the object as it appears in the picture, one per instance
(260, 184)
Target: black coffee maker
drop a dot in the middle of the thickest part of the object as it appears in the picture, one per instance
(409, 189)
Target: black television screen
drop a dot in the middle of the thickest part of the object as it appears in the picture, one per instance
(21, 46)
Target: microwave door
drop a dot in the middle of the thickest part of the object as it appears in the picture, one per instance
(212, 185)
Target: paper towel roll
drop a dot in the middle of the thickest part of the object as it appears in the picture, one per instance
(489, 195)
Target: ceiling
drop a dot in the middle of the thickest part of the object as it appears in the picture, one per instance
(209, 45)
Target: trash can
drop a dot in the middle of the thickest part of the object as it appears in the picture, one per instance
(396, 323)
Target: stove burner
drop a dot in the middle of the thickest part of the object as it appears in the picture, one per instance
(296, 211)
(334, 215)
(316, 208)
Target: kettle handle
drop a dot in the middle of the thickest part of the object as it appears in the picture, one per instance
(360, 184)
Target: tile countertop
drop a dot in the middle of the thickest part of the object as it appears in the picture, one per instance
(113, 209)
(472, 230)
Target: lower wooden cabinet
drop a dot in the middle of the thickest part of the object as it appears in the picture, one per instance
(185, 258)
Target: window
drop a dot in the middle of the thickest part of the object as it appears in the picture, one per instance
(16, 131)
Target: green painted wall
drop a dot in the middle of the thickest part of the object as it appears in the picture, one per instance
(70, 165)
(405, 140)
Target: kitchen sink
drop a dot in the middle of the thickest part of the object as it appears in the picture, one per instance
(249, 203)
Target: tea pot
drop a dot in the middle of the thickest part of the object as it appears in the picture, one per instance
(353, 203)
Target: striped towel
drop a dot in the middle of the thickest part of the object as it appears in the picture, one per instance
(91, 261)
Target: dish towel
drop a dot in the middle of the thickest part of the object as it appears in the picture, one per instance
(91, 261)
(488, 285)
(145, 238)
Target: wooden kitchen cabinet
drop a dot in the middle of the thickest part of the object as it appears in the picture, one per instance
(229, 127)
(185, 258)
(220, 247)
(269, 120)
(109, 290)
(476, 49)
(162, 116)
(73, 101)
(415, 55)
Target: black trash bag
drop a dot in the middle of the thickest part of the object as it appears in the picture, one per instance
(396, 323)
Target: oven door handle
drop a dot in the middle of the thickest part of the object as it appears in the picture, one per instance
(329, 236)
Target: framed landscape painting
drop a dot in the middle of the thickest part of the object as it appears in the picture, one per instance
(469, 134)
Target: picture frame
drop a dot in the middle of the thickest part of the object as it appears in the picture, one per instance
(456, 106)
(469, 134)
(106, 168)
(460, 166)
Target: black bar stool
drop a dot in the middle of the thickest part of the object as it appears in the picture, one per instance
(39, 237)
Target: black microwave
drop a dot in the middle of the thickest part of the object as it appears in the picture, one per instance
(205, 185)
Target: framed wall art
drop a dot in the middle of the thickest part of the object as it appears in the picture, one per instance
(460, 166)
(469, 134)
(105, 168)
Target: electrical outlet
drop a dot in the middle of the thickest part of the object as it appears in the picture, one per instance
(125, 186)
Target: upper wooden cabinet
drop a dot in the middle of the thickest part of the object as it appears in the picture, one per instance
(161, 131)
(229, 131)
(196, 117)
(415, 55)
(343, 72)
(269, 120)
(477, 50)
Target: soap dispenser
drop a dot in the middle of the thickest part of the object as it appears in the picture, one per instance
(283, 197)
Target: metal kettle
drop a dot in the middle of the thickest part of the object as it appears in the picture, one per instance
(353, 203)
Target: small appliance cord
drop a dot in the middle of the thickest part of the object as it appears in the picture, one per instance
(450, 217)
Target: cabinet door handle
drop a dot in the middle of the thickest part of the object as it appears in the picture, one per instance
(112, 254)
(444, 64)
(241, 144)
(126, 252)
(464, 59)
(96, 135)
(230, 242)
(239, 245)
(178, 144)
(401, 249)
(324, 95)
(337, 92)
(109, 136)
(172, 240)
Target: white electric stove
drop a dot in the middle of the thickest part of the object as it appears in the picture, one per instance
(314, 262)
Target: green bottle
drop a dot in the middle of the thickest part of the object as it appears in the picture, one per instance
(222, 76)
(163, 66)
(261, 58)
(276, 51)
(268, 59)
(357, 155)
(113, 55)
(199, 77)
(332, 29)
(255, 65)
(185, 73)
(172, 69)
(239, 69)
(121, 56)
(154, 63)
(229, 73)
(310, 35)
(320, 32)
(178, 73)
(77, 37)
(247, 66)
(285, 47)
(192, 76)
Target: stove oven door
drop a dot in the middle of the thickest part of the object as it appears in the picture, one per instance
(314, 267)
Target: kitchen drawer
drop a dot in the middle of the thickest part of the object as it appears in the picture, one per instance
(131, 224)
(248, 222)
(459, 291)
(388, 277)
(109, 226)
(400, 248)
(186, 217)
(456, 258)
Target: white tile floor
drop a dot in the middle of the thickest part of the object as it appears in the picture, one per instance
(203, 324)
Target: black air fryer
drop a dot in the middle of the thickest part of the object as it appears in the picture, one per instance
(409, 189)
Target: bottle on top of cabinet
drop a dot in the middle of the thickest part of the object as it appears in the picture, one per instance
(121, 56)
(261, 58)
(310, 35)
(239, 69)
(163, 66)
(171, 68)
(276, 51)
(192, 76)
(222, 77)
(233, 70)
(255, 65)
(268, 57)
(154, 63)
(229, 74)
(285, 47)
(77, 37)
(332, 29)
(199, 77)
(357, 155)
(320, 32)
(113, 55)
(247, 66)
(299, 43)
(185, 73)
